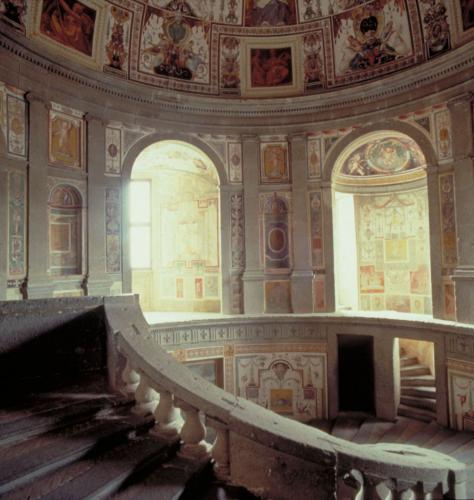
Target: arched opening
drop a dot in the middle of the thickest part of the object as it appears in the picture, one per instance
(174, 229)
(65, 231)
(381, 225)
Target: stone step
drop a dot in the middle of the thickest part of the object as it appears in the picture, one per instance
(424, 434)
(419, 391)
(414, 370)
(408, 361)
(440, 437)
(346, 427)
(453, 443)
(397, 429)
(19, 429)
(416, 402)
(416, 413)
(465, 453)
(421, 380)
(173, 480)
(115, 469)
(34, 458)
(371, 431)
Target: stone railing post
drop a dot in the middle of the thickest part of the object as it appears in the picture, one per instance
(168, 421)
(131, 379)
(220, 449)
(193, 434)
(146, 398)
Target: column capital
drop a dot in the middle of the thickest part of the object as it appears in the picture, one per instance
(92, 118)
(250, 138)
(33, 97)
(461, 99)
(297, 136)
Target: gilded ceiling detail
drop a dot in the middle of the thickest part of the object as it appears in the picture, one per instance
(245, 48)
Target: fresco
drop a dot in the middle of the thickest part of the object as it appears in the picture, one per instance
(113, 223)
(448, 221)
(270, 12)
(461, 395)
(14, 11)
(436, 27)
(65, 138)
(292, 384)
(319, 293)
(393, 251)
(70, 23)
(113, 150)
(211, 370)
(237, 230)
(370, 36)
(117, 39)
(382, 157)
(16, 224)
(276, 240)
(314, 68)
(234, 156)
(316, 218)
(271, 67)
(229, 12)
(16, 125)
(174, 45)
(314, 158)
(467, 14)
(443, 134)
(230, 64)
(274, 162)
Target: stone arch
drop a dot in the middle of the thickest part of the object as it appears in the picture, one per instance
(148, 140)
(422, 140)
(412, 131)
(224, 206)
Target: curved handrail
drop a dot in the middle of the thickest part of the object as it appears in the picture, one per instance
(252, 427)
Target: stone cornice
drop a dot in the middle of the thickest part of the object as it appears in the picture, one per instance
(417, 82)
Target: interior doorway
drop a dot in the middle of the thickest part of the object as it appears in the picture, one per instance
(356, 374)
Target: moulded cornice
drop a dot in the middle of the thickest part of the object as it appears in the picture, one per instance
(408, 85)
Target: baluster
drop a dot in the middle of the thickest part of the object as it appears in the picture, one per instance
(192, 434)
(168, 420)
(408, 494)
(384, 491)
(433, 491)
(220, 449)
(131, 379)
(146, 398)
(351, 485)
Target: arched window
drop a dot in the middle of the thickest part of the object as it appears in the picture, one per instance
(65, 231)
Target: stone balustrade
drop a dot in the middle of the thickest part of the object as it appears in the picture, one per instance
(269, 454)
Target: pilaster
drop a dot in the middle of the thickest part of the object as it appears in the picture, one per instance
(328, 237)
(98, 282)
(302, 275)
(253, 277)
(3, 232)
(39, 283)
(462, 134)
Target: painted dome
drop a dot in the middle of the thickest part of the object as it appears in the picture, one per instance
(244, 49)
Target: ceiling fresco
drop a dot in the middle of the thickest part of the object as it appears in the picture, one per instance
(245, 48)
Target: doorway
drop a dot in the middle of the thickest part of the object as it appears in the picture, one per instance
(356, 373)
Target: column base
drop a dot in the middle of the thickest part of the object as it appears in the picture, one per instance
(463, 278)
(302, 291)
(99, 286)
(39, 289)
(253, 292)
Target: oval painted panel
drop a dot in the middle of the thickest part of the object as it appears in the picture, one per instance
(277, 240)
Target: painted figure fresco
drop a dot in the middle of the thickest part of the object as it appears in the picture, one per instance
(270, 12)
(371, 35)
(274, 158)
(14, 11)
(462, 398)
(16, 114)
(313, 58)
(16, 224)
(467, 12)
(118, 34)
(70, 23)
(175, 46)
(271, 67)
(229, 12)
(65, 140)
(113, 222)
(436, 27)
(385, 156)
(230, 64)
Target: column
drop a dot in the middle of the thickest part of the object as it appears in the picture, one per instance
(98, 283)
(39, 282)
(328, 238)
(302, 275)
(4, 231)
(253, 277)
(462, 133)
